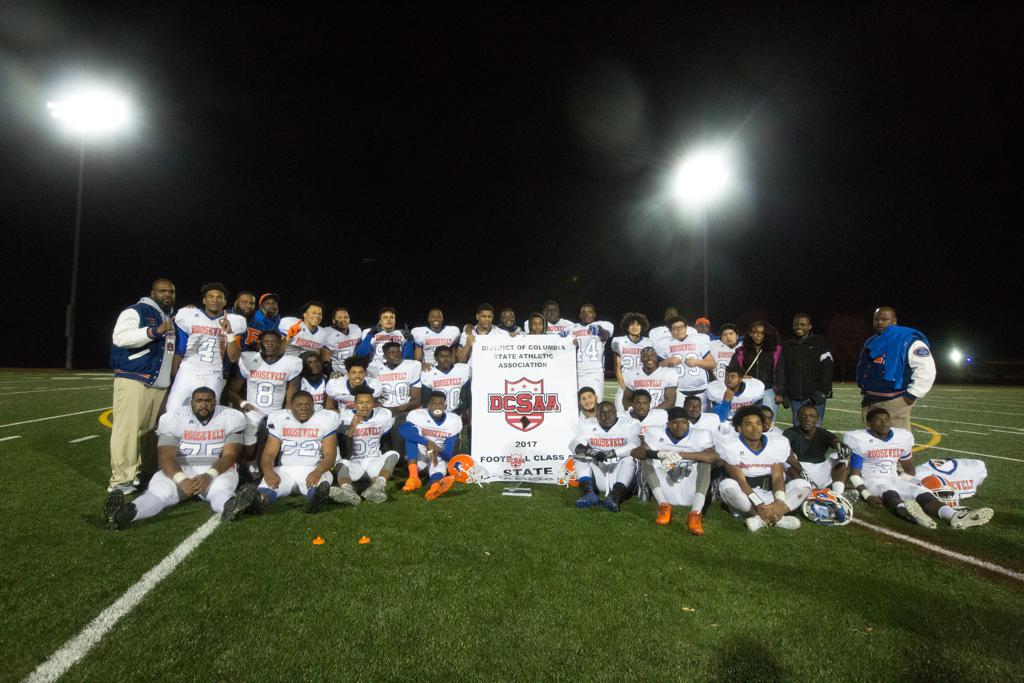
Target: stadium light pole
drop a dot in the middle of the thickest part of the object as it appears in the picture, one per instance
(701, 180)
(88, 112)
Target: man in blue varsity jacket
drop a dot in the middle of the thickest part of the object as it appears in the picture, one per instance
(141, 357)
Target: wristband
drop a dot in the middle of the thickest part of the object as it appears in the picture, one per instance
(755, 499)
(180, 477)
(231, 338)
(212, 473)
(246, 404)
(856, 481)
(780, 495)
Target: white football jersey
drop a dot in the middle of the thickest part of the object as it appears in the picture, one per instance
(306, 339)
(629, 351)
(451, 383)
(200, 339)
(656, 419)
(200, 444)
(318, 391)
(734, 451)
(589, 346)
(751, 392)
(875, 457)
(267, 382)
(965, 474)
(561, 328)
(367, 434)
(342, 345)
(430, 429)
(622, 438)
(655, 383)
(302, 442)
(722, 355)
(495, 330)
(341, 391)
(694, 441)
(713, 424)
(383, 337)
(692, 346)
(427, 340)
(398, 381)
(661, 333)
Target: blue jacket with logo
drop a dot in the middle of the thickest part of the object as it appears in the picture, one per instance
(142, 364)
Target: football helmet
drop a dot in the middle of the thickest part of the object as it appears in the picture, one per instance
(567, 474)
(827, 508)
(459, 467)
(943, 489)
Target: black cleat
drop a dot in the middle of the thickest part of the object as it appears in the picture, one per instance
(320, 495)
(112, 506)
(239, 503)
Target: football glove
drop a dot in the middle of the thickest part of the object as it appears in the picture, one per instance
(843, 451)
(670, 459)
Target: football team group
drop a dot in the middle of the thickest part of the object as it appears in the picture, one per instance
(249, 407)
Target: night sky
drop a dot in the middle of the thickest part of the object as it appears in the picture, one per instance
(419, 157)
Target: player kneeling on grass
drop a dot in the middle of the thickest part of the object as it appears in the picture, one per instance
(364, 462)
(307, 443)
(676, 463)
(197, 449)
(430, 435)
(876, 451)
(755, 483)
(600, 455)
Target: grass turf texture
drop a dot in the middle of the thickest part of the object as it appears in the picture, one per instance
(480, 586)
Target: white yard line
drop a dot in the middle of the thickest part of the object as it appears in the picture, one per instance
(10, 438)
(925, 406)
(960, 557)
(968, 431)
(71, 652)
(41, 391)
(982, 455)
(85, 438)
(55, 417)
(936, 419)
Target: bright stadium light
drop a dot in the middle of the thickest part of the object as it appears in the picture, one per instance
(89, 112)
(702, 180)
(956, 356)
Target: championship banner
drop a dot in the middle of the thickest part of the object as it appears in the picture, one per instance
(524, 406)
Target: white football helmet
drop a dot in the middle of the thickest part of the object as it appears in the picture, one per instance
(827, 508)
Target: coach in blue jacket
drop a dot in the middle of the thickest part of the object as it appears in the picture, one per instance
(141, 357)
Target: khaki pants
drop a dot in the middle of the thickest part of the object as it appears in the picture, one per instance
(899, 412)
(136, 406)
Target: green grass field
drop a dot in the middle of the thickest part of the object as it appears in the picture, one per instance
(477, 586)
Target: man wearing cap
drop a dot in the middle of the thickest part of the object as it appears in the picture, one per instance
(895, 368)
(703, 326)
(141, 356)
(266, 318)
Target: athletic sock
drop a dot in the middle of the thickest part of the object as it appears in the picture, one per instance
(838, 486)
(414, 470)
(585, 486)
(618, 492)
(698, 502)
(946, 513)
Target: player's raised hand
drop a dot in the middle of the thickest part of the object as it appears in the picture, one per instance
(223, 322)
(167, 326)
(294, 329)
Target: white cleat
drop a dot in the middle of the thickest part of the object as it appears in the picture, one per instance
(755, 523)
(345, 495)
(788, 522)
(376, 493)
(966, 518)
(920, 516)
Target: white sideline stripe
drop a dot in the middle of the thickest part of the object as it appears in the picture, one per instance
(983, 455)
(967, 559)
(40, 391)
(925, 406)
(968, 431)
(85, 438)
(55, 417)
(10, 438)
(1006, 431)
(71, 652)
(937, 419)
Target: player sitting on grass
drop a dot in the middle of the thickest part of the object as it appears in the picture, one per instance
(600, 455)
(306, 442)
(676, 462)
(876, 451)
(365, 427)
(810, 458)
(430, 435)
(755, 484)
(197, 449)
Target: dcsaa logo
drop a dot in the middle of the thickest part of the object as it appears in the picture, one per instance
(524, 403)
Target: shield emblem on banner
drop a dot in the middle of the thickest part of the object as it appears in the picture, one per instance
(524, 422)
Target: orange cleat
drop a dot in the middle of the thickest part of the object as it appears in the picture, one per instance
(440, 487)
(412, 483)
(664, 514)
(695, 523)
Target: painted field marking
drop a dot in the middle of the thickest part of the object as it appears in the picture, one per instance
(53, 417)
(983, 455)
(937, 419)
(107, 419)
(40, 391)
(10, 438)
(939, 550)
(1006, 431)
(85, 438)
(925, 406)
(968, 431)
(71, 652)
(933, 441)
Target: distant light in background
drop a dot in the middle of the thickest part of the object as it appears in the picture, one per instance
(968, 359)
(956, 356)
(92, 111)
